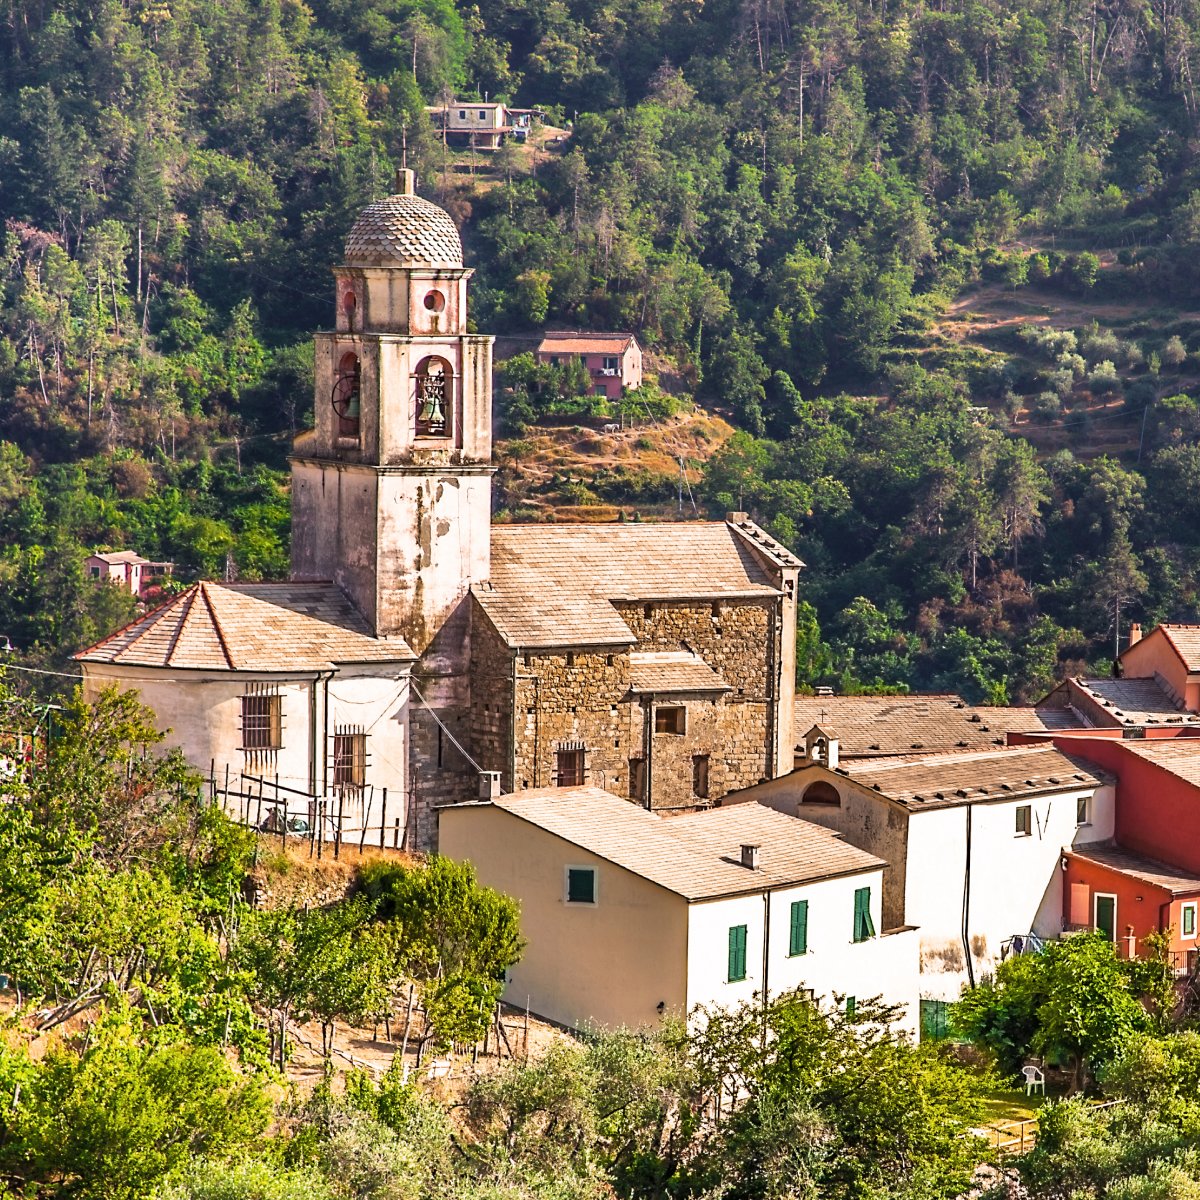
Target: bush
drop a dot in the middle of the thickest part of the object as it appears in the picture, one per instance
(1174, 352)
(1104, 379)
(1045, 406)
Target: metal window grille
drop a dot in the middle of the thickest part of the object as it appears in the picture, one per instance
(571, 765)
(349, 758)
(262, 725)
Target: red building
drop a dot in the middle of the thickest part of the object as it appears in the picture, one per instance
(613, 360)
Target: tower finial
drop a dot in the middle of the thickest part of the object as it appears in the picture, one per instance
(404, 146)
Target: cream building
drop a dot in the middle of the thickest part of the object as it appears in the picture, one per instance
(973, 842)
(630, 915)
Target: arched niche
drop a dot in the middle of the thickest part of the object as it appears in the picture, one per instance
(347, 397)
(820, 792)
(434, 397)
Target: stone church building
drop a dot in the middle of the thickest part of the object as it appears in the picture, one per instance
(420, 649)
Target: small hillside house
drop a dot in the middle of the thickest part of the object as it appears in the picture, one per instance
(613, 360)
(481, 125)
(630, 916)
(973, 842)
(126, 568)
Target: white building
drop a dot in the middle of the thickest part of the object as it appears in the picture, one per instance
(279, 690)
(630, 916)
(973, 841)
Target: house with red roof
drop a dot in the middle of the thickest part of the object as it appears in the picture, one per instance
(613, 360)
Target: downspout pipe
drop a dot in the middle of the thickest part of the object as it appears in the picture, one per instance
(966, 902)
(766, 961)
(318, 679)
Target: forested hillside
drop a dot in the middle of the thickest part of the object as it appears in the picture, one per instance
(783, 199)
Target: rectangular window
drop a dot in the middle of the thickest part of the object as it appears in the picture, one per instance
(581, 885)
(737, 953)
(851, 1008)
(1104, 914)
(349, 759)
(864, 926)
(637, 779)
(95, 572)
(483, 114)
(1187, 921)
(570, 767)
(462, 114)
(610, 363)
(670, 719)
(798, 935)
(1024, 820)
(700, 776)
(262, 723)
(1082, 811)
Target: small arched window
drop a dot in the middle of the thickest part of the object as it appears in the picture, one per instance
(347, 396)
(820, 793)
(434, 391)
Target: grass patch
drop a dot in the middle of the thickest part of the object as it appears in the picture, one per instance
(1009, 1104)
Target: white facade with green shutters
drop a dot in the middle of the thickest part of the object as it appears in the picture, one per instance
(823, 936)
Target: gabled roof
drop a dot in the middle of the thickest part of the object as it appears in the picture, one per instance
(1137, 867)
(249, 627)
(945, 780)
(570, 342)
(1185, 639)
(1121, 702)
(873, 726)
(696, 856)
(672, 671)
(553, 585)
(119, 556)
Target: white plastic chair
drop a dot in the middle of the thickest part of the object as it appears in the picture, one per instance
(1035, 1080)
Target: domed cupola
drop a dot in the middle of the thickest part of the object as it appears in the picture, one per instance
(404, 230)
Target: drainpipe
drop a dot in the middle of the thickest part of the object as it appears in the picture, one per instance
(966, 904)
(512, 726)
(648, 751)
(766, 961)
(312, 727)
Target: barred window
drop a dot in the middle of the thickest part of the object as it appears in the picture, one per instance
(349, 758)
(262, 719)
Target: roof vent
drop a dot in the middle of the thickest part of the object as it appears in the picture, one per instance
(750, 856)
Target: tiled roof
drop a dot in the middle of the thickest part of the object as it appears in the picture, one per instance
(584, 343)
(551, 585)
(1179, 755)
(944, 780)
(870, 726)
(119, 556)
(672, 671)
(1132, 702)
(1186, 640)
(1137, 866)
(696, 856)
(404, 230)
(249, 627)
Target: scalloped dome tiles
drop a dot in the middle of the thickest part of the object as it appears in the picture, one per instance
(403, 230)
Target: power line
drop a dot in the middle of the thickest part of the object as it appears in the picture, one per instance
(444, 728)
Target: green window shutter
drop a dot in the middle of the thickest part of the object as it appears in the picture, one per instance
(581, 885)
(851, 1008)
(864, 927)
(737, 953)
(798, 942)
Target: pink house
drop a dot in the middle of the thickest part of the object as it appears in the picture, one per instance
(127, 568)
(613, 360)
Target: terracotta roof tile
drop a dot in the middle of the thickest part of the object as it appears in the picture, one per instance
(672, 671)
(1133, 701)
(1137, 866)
(584, 343)
(869, 726)
(1179, 755)
(696, 856)
(1186, 640)
(944, 780)
(551, 585)
(249, 627)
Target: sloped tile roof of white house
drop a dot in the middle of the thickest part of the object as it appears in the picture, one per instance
(944, 780)
(552, 585)
(697, 856)
(874, 726)
(249, 627)
(672, 671)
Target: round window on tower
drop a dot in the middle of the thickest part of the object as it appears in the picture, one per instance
(435, 301)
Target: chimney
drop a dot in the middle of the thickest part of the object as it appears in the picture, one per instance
(489, 785)
(1135, 633)
(406, 181)
(737, 518)
(749, 856)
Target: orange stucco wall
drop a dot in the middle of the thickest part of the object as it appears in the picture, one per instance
(1154, 655)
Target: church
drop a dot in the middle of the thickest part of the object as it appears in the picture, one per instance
(420, 655)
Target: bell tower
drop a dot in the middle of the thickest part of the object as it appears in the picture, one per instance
(391, 492)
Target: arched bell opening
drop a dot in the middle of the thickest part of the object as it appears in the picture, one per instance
(347, 397)
(434, 391)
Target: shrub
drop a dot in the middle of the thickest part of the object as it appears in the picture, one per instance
(1104, 379)
(1174, 352)
(1045, 406)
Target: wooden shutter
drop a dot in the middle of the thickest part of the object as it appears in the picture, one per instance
(798, 939)
(1081, 905)
(864, 927)
(737, 953)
